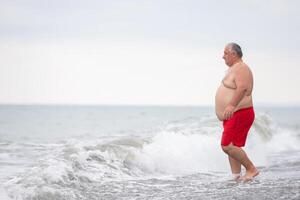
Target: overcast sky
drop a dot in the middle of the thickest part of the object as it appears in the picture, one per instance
(145, 52)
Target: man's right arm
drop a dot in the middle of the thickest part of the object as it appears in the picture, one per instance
(242, 83)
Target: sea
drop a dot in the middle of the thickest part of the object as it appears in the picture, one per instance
(92, 152)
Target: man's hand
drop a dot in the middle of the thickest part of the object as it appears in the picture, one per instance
(228, 112)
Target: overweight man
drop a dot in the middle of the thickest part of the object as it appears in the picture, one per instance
(234, 106)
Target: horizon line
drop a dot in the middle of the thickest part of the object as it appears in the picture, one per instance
(145, 105)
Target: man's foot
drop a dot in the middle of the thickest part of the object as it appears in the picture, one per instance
(250, 174)
(236, 177)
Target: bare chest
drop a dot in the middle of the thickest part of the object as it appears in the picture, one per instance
(228, 81)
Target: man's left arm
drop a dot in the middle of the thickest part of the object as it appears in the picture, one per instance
(241, 81)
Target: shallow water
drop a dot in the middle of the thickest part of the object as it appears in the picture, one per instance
(141, 153)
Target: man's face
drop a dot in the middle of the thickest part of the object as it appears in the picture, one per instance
(229, 56)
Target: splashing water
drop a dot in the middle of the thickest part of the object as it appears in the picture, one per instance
(179, 159)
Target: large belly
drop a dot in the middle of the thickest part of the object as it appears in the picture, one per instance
(223, 98)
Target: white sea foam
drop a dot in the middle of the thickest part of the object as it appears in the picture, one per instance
(178, 148)
(194, 146)
(3, 194)
(179, 154)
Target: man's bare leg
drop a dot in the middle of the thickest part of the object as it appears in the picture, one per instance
(239, 155)
(235, 168)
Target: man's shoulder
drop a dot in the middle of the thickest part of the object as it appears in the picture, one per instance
(241, 70)
(242, 67)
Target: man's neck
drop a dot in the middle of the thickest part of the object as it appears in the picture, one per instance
(236, 62)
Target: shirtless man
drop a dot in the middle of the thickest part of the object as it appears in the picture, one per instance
(235, 108)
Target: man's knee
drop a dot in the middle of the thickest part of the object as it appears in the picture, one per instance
(227, 148)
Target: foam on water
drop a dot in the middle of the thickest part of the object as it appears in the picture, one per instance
(179, 154)
(179, 148)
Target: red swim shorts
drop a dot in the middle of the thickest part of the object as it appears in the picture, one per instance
(236, 128)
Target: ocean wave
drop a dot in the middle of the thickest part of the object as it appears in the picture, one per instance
(179, 148)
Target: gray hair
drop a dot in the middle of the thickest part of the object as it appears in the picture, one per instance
(236, 48)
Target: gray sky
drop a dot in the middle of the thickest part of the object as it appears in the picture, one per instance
(145, 52)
